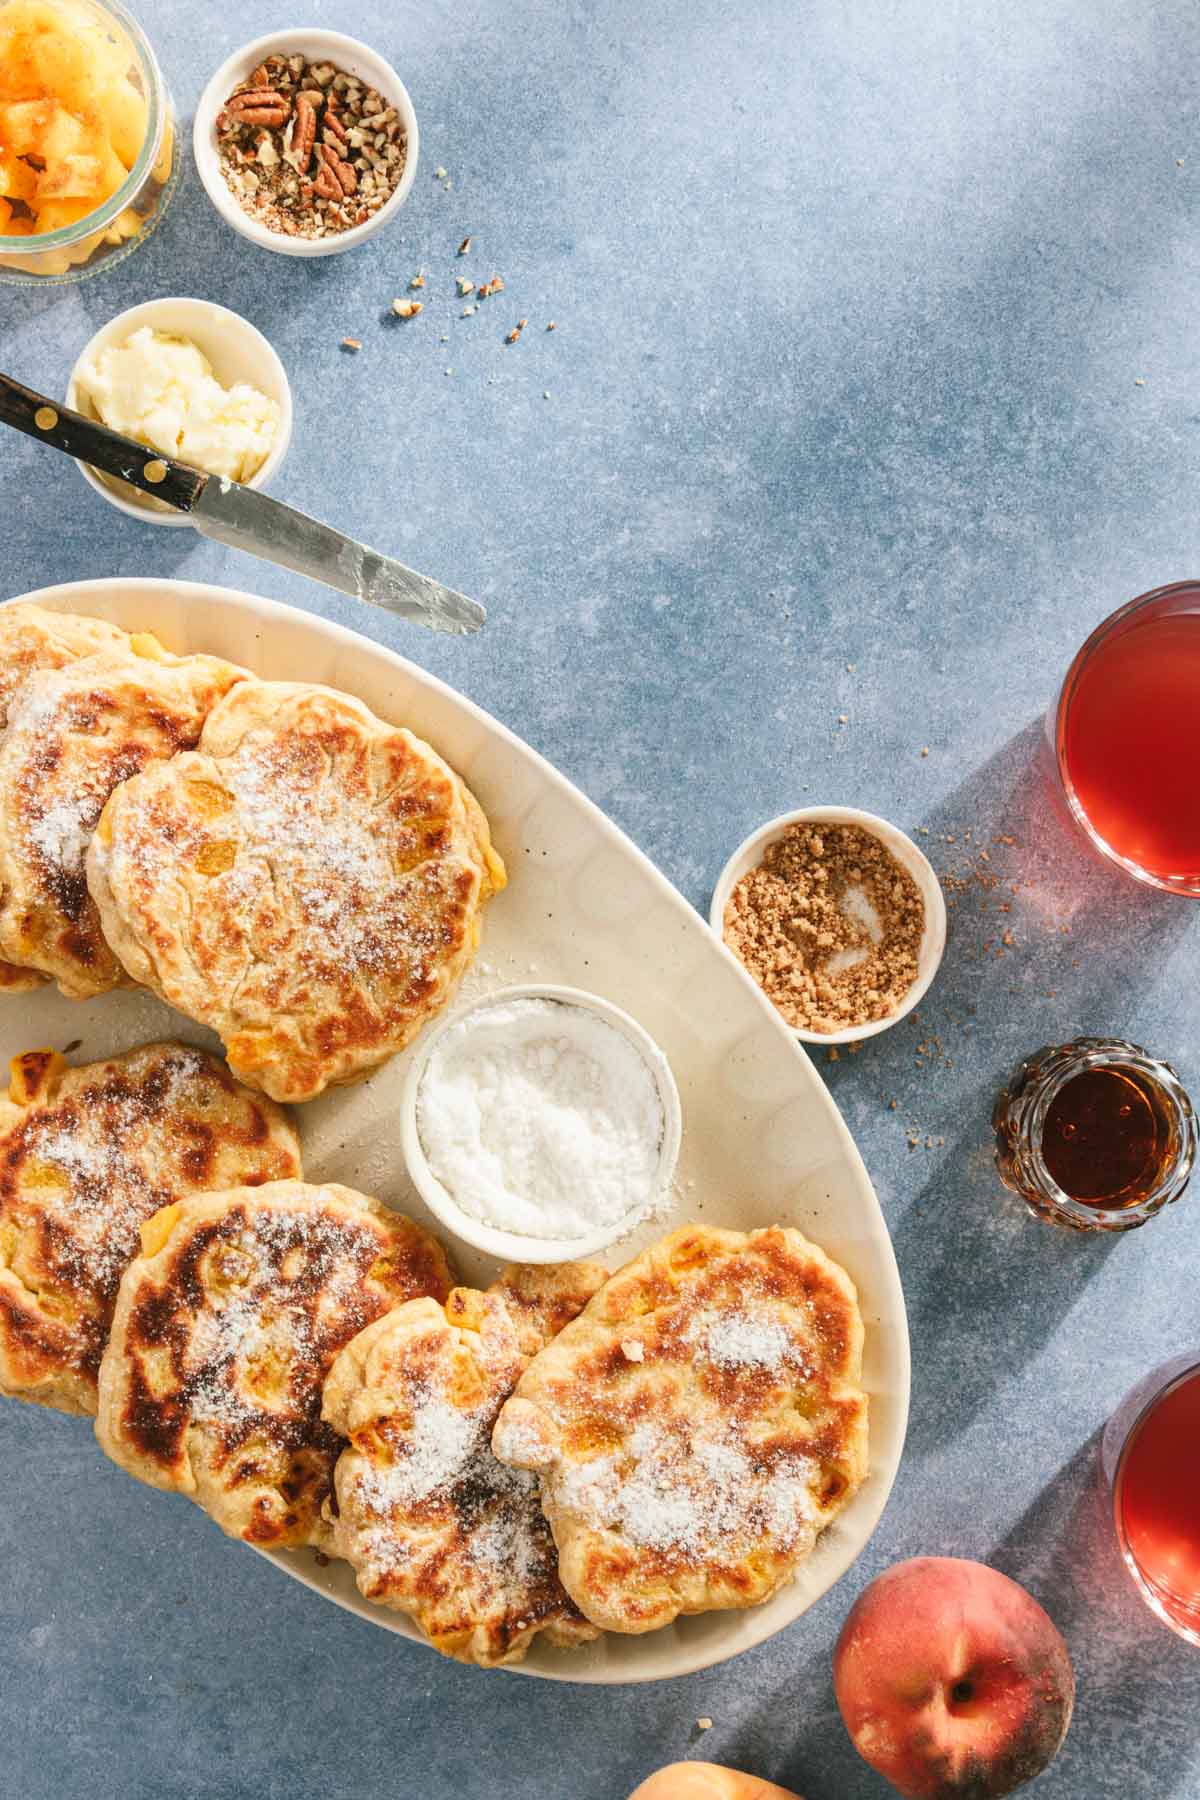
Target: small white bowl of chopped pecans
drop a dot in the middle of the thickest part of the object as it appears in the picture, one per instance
(306, 142)
(837, 916)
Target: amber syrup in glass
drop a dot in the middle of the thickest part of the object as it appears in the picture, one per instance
(1096, 1134)
(1156, 1504)
(1129, 737)
(1103, 1137)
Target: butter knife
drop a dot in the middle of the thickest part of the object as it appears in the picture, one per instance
(243, 517)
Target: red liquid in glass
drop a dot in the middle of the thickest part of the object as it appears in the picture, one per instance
(1159, 1500)
(1132, 742)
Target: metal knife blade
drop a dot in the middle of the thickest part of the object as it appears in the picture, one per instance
(252, 521)
(241, 516)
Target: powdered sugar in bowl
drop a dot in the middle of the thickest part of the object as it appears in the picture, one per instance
(540, 1124)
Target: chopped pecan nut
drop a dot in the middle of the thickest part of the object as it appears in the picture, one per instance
(256, 106)
(304, 134)
(342, 172)
(326, 184)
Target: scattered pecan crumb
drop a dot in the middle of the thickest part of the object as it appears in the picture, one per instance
(351, 343)
(464, 246)
(407, 309)
(439, 174)
(704, 1723)
(464, 286)
(552, 326)
(418, 280)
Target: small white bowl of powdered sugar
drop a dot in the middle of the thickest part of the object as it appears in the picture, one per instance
(541, 1124)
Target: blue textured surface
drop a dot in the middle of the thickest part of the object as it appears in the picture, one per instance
(852, 304)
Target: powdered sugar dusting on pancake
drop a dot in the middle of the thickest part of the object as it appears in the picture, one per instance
(222, 1341)
(84, 1162)
(434, 1525)
(307, 883)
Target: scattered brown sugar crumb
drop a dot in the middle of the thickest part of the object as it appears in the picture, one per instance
(830, 925)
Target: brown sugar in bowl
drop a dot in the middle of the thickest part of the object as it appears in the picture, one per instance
(750, 854)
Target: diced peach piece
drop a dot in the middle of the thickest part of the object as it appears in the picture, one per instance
(124, 112)
(72, 178)
(24, 124)
(18, 180)
(55, 215)
(63, 136)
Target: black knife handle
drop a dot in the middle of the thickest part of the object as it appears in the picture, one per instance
(55, 424)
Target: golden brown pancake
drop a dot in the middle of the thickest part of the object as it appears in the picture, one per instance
(697, 1426)
(224, 1332)
(86, 1155)
(432, 1524)
(32, 638)
(73, 735)
(308, 883)
(541, 1298)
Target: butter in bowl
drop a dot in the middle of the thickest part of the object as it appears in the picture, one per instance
(192, 380)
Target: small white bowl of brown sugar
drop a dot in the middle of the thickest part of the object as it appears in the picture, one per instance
(838, 917)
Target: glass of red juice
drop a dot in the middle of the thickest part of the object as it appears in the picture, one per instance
(1127, 738)
(1151, 1458)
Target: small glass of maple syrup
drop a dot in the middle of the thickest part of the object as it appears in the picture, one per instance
(1097, 1135)
(1151, 1460)
(1126, 738)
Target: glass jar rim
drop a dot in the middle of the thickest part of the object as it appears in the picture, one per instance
(1061, 711)
(67, 235)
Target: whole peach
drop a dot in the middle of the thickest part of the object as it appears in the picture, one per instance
(707, 1781)
(952, 1681)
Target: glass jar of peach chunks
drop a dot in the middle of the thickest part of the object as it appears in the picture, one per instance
(88, 146)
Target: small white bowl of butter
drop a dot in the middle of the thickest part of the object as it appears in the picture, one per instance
(540, 1124)
(136, 376)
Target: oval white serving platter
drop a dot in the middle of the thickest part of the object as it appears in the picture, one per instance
(763, 1142)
